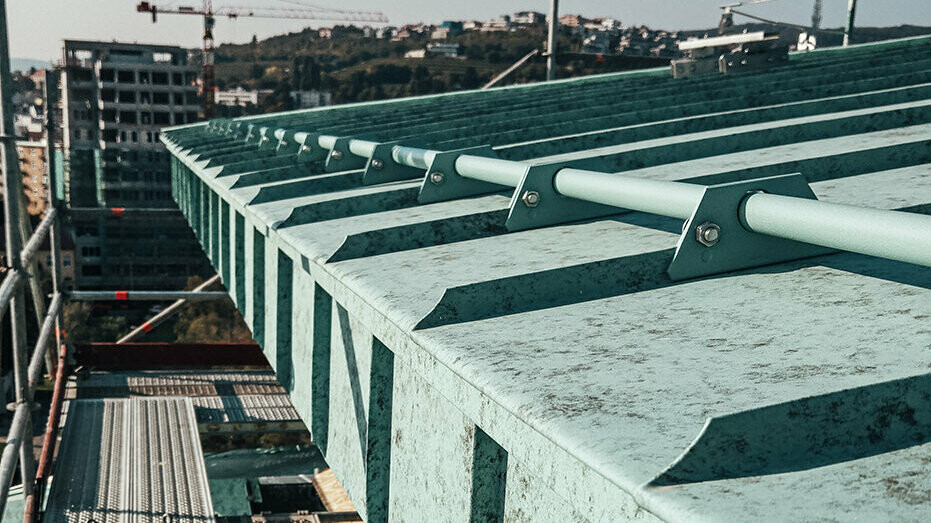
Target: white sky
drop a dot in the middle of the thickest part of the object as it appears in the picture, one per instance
(38, 26)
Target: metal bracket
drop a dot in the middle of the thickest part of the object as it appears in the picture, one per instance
(536, 203)
(442, 182)
(267, 138)
(286, 143)
(340, 158)
(381, 167)
(309, 150)
(714, 240)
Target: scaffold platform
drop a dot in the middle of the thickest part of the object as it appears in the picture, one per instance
(130, 459)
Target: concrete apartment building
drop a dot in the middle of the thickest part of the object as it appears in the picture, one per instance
(114, 99)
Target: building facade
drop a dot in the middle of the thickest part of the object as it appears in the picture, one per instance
(34, 167)
(114, 99)
(308, 98)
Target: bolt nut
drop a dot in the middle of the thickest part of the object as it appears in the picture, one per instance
(708, 234)
(377, 164)
(305, 148)
(336, 155)
(437, 177)
(531, 198)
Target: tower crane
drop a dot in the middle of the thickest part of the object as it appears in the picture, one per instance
(304, 12)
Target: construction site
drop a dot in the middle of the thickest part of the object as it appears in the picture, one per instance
(695, 292)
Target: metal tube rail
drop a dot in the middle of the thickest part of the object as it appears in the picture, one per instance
(363, 148)
(326, 141)
(412, 156)
(38, 236)
(887, 234)
(494, 170)
(156, 320)
(120, 212)
(12, 201)
(678, 200)
(895, 235)
(35, 363)
(12, 280)
(34, 501)
(146, 295)
(13, 444)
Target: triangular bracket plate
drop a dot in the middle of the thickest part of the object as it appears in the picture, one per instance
(733, 247)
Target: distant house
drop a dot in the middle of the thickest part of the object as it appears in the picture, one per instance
(498, 24)
(325, 32)
(572, 20)
(440, 33)
(236, 97)
(311, 98)
(447, 49)
(528, 18)
(386, 32)
(453, 26)
(472, 25)
(416, 53)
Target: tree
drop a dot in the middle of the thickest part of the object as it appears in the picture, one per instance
(211, 321)
(81, 326)
(470, 79)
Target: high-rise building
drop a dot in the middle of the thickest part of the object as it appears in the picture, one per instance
(114, 99)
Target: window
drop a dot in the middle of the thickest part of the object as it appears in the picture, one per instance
(66, 261)
(107, 75)
(160, 98)
(160, 78)
(176, 79)
(91, 270)
(135, 137)
(127, 97)
(90, 251)
(127, 77)
(144, 77)
(128, 117)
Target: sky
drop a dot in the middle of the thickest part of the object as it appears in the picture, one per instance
(37, 27)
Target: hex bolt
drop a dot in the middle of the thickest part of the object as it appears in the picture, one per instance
(708, 234)
(377, 164)
(437, 177)
(336, 155)
(531, 198)
(305, 148)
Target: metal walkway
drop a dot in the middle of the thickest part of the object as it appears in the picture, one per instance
(133, 459)
(223, 400)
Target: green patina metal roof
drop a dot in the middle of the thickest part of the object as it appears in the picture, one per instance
(459, 350)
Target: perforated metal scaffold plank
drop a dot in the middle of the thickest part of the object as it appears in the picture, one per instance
(130, 460)
(224, 400)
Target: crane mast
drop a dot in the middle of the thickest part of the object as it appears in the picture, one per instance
(307, 12)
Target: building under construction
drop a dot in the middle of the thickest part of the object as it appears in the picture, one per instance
(115, 98)
(619, 297)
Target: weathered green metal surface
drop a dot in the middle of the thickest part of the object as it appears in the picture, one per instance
(451, 366)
